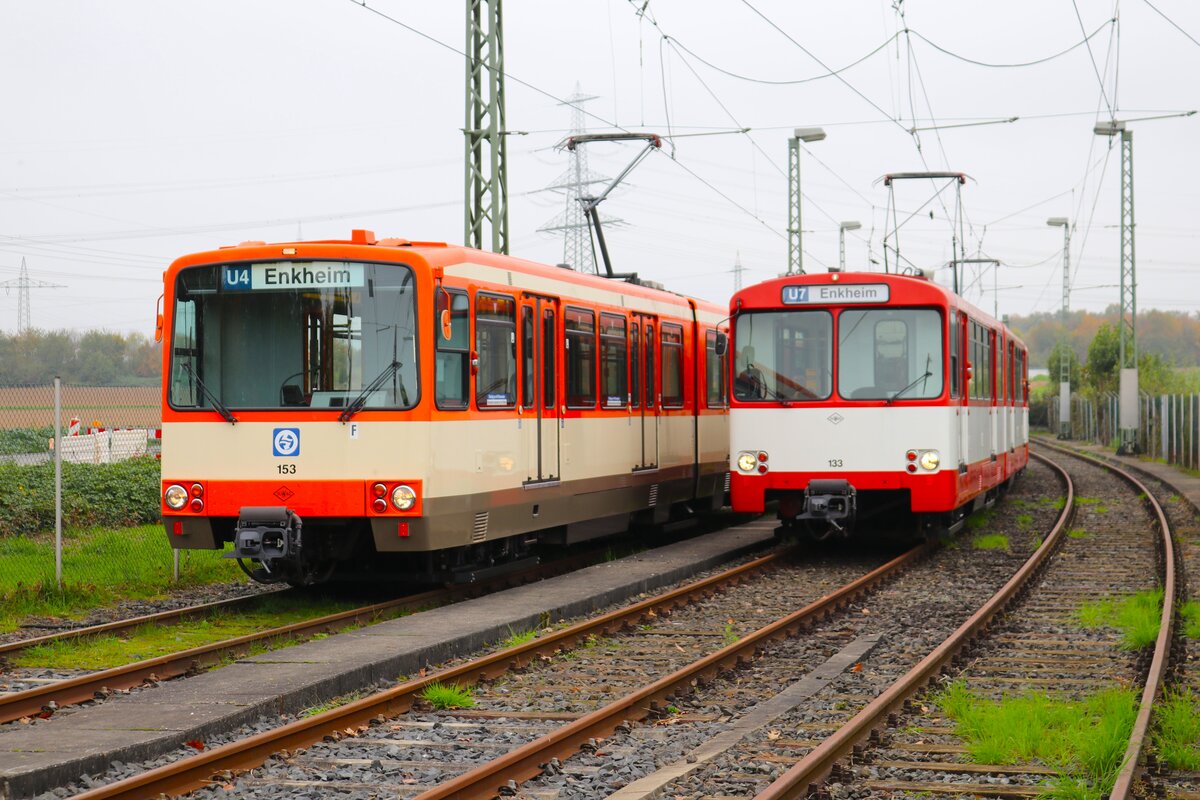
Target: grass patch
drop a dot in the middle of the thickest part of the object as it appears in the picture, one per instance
(444, 697)
(1190, 614)
(1136, 617)
(1077, 533)
(151, 640)
(1177, 729)
(1083, 739)
(516, 638)
(990, 541)
(101, 567)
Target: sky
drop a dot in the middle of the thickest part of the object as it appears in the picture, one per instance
(137, 131)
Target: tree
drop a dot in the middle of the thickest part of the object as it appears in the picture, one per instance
(1104, 359)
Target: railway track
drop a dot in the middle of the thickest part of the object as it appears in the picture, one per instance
(39, 697)
(675, 668)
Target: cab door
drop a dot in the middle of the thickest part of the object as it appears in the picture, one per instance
(539, 387)
(644, 363)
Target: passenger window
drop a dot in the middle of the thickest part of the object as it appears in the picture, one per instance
(496, 344)
(635, 367)
(452, 364)
(714, 372)
(527, 398)
(613, 361)
(581, 358)
(672, 366)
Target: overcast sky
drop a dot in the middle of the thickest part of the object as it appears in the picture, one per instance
(136, 131)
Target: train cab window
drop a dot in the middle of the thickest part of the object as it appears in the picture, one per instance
(496, 345)
(581, 357)
(783, 356)
(613, 361)
(635, 366)
(714, 372)
(672, 366)
(325, 335)
(955, 354)
(453, 374)
(890, 353)
(549, 358)
(527, 355)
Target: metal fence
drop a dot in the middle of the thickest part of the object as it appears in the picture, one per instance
(79, 488)
(1168, 425)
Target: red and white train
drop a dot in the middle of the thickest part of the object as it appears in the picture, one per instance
(426, 408)
(867, 393)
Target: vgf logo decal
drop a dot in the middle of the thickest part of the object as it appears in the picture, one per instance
(286, 442)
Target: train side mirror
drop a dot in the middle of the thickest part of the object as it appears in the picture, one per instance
(722, 345)
(447, 330)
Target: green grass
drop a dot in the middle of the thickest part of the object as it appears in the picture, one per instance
(516, 638)
(1077, 533)
(1177, 729)
(1083, 739)
(1136, 617)
(101, 567)
(1190, 613)
(150, 641)
(443, 697)
(990, 541)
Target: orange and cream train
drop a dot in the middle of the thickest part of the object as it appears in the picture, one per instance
(426, 409)
(864, 393)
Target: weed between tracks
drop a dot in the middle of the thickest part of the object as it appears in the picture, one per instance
(1083, 739)
(1137, 617)
(150, 641)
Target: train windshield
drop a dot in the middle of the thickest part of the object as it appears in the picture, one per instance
(890, 353)
(783, 356)
(286, 334)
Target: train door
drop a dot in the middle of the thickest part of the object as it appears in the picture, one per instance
(645, 363)
(539, 387)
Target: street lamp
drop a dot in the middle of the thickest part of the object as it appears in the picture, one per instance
(795, 254)
(1064, 363)
(851, 225)
(1128, 422)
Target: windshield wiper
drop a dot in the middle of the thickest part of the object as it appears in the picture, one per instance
(361, 401)
(928, 374)
(212, 398)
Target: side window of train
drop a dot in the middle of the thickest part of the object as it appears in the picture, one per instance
(613, 361)
(955, 354)
(549, 359)
(714, 372)
(496, 344)
(672, 366)
(527, 393)
(452, 365)
(581, 357)
(635, 366)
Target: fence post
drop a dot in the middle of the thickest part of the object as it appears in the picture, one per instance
(58, 481)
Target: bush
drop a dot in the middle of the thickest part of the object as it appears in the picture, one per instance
(107, 495)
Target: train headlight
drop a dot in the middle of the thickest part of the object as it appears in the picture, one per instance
(175, 497)
(746, 462)
(403, 497)
(930, 460)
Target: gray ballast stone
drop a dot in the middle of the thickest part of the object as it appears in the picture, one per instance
(145, 725)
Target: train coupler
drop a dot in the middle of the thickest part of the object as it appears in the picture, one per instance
(267, 534)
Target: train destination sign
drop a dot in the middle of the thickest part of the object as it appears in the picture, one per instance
(835, 294)
(290, 275)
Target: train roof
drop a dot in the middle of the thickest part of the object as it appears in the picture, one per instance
(903, 289)
(363, 245)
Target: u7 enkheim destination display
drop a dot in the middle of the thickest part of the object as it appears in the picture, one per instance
(291, 275)
(835, 293)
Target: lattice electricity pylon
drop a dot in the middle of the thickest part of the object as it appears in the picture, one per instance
(23, 284)
(486, 154)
